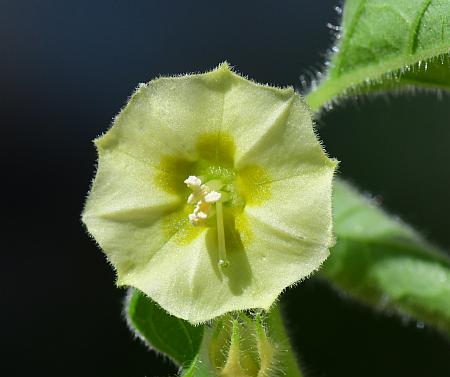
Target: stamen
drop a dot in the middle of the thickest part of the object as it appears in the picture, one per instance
(193, 182)
(212, 197)
(204, 197)
(202, 215)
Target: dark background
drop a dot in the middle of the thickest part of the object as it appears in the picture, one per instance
(67, 67)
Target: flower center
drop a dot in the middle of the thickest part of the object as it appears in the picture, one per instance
(205, 196)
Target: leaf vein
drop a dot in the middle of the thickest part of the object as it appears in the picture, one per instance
(349, 33)
(414, 34)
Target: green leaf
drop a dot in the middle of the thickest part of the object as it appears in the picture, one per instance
(384, 263)
(388, 44)
(172, 336)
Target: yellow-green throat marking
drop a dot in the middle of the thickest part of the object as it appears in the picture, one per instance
(213, 194)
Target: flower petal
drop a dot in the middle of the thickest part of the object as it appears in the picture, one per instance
(124, 209)
(137, 211)
(288, 147)
(299, 206)
(167, 115)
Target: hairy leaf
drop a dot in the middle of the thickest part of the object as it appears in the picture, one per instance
(167, 334)
(383, 262)
(388, 44)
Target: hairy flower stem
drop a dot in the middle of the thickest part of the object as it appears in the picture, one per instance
(286, 358)
(245, 345)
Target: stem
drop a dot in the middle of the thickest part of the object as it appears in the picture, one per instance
(237, 337)
(223, 261)
(286, 359)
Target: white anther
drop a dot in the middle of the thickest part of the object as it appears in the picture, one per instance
(193, 182)
(193, 219)
(212, 197)
(202, 215)
(202, 197)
